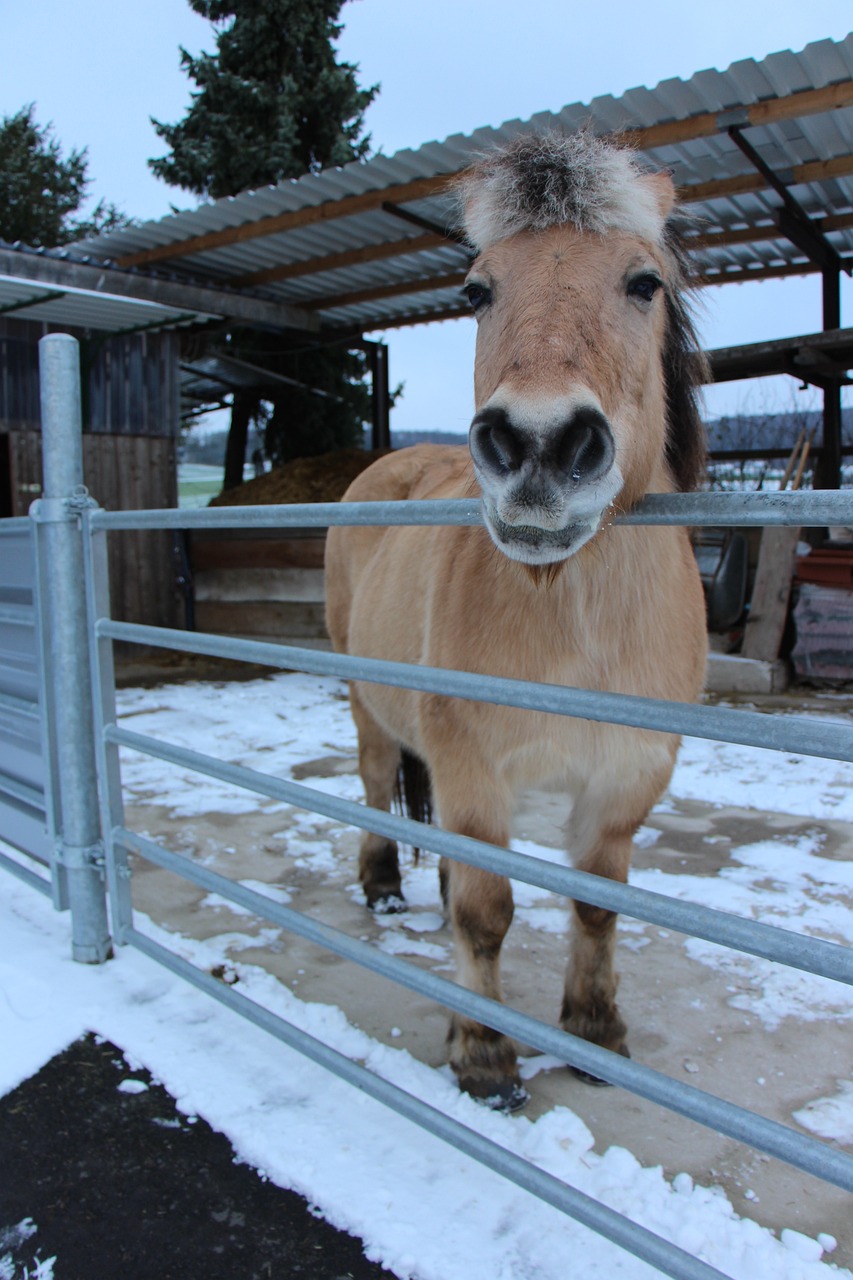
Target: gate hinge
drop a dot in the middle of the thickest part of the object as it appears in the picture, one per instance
(81, 857)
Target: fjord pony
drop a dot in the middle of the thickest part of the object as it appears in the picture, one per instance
(584, 393)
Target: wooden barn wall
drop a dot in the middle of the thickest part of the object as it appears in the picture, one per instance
(130, 403)
(122, 473)
(130, 383)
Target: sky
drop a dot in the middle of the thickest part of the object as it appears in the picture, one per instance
(99, 69)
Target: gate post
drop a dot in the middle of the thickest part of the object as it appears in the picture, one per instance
(63, 599)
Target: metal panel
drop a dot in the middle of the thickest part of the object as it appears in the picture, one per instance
(24, 801)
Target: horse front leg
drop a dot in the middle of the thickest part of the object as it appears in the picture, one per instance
(589, 1001)
(484, 1059)
(480, 906)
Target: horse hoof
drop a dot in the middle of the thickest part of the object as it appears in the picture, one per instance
(389, 904)
(586, 1077)
(505, 1096)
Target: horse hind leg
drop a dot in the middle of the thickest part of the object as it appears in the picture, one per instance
(378, 763)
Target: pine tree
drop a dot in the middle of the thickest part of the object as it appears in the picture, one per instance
(40, 191)
(273, 103)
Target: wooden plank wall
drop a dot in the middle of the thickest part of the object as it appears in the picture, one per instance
(122, 473)
(262, 585)
(130, 383)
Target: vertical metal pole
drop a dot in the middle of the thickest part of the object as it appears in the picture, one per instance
(57, 520)
(104, 704)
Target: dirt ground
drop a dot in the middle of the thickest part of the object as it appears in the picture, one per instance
(680, 1013)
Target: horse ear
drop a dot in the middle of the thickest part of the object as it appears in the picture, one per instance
(662, 189)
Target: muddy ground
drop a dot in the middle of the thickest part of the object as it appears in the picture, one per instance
(680, 1012)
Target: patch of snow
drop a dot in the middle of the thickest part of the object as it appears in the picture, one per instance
(132, 1086)
(830, 1117)
(310, 1131)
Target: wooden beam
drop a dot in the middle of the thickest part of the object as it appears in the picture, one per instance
(742, 184)
(430, 284)
(743, 275)
(807, 102)
(330, 209)
(427, 317)
(348, 258)
(755, 235)
(772, 110)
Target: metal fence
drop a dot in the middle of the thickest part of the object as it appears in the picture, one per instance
(93, 841)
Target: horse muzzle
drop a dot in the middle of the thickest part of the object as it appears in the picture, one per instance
(546, 484)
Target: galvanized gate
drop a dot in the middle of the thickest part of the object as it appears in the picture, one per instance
(71, 535)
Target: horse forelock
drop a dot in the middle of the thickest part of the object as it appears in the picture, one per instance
(548, 179)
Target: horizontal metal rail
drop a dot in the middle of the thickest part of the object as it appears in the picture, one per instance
(813, 955)
(799, 509)
(18, 615)
(638, 1240)
(803, 1152)
(41, 883)
(14, 526)
(19, 706)
(800, 735)
(22, 791)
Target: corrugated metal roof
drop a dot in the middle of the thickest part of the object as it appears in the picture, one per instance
(383, 283)
(83, 309)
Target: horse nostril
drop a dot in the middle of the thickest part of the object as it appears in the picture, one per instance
(583, 447)
(495, 444)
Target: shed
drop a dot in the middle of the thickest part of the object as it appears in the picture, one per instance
(762, 153)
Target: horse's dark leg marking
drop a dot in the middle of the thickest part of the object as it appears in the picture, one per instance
(589, 1007)
(378, 759)
(484, 1059)
(444, 882)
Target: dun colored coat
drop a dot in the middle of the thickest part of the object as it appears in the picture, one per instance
(584, 396)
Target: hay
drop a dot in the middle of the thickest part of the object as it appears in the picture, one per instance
(321, 479)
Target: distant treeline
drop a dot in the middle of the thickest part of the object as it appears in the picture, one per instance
(741, 431)
(771, 430)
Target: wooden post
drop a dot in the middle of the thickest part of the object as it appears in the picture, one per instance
(828, 470)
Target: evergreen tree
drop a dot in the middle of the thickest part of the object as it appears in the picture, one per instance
(272, 103)
(40, 191)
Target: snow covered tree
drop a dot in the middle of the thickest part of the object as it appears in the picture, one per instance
(273, 102)
(40, 190)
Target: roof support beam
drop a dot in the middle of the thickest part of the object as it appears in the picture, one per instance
(793, 220)
(807, 102)
(416, 220)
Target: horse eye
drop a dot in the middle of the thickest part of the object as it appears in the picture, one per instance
(644, 287)
(478, 295)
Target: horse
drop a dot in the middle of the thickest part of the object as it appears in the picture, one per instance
(585, 380)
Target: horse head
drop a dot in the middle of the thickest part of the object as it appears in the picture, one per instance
(586, 363)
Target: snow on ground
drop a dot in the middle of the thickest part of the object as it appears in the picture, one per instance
(369, 1171)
